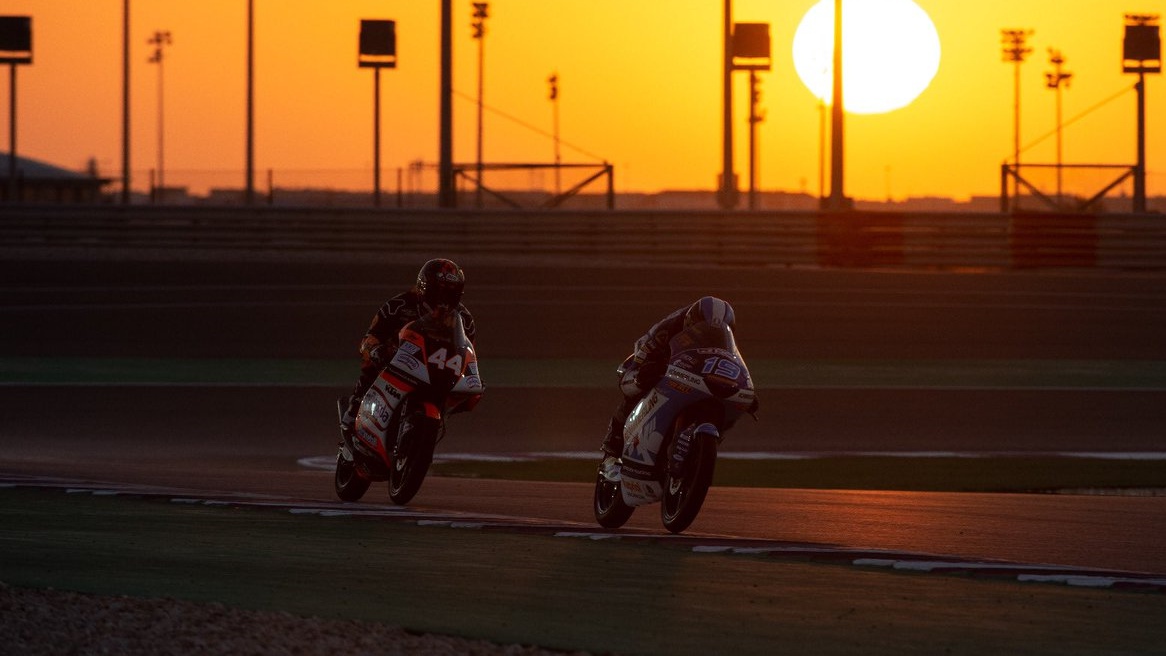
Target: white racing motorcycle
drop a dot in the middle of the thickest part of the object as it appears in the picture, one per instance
(671, 436)
(434, 372)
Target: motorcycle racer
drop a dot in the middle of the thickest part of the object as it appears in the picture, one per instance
(439, 286)
(640, 372)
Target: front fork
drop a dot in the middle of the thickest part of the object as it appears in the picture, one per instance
(678, 460)
(346, 445)
(420, 417)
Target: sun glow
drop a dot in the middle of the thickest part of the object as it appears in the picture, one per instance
(890, 53)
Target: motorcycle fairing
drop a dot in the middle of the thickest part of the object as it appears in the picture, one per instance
(376, 412)
(410, 358)
(705, 364)
(444, 380)
(644, 433)
(467, 391)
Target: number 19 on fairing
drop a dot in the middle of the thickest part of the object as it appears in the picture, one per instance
(719, 366)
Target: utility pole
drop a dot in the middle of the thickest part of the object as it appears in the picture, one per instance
(481, 13)
(160, 40)
(1015, 51)
(1054, 80)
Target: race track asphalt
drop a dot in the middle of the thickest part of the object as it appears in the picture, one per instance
(846, 361)
(1043, 361)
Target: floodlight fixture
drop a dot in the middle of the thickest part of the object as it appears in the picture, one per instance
(751, 47)
(15, 39)
(1142, 48)
(481, 13)
(378, 44)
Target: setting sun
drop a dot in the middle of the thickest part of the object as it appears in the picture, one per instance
(890, 54)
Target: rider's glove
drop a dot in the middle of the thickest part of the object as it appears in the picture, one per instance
(649, 374)
(380, 355)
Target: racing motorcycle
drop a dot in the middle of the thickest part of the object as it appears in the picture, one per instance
(433, 373)
(671, 436)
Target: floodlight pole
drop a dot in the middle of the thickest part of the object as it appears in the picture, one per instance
(1140, 173)
(159, 41)
(1142, 53)
(1054, 81)
(376, 137)
(754, 118)
(727, 194)
(446, 195)
(553, 80)
(125, 104)
(249, 196)
(1015, 51)
(378, 49)
(15, 48)
(481, 13)
(837, 200)
(12, 133)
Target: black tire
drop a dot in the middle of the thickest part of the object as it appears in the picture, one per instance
(608, 503)
(411, 465)
(684, 496)
(350, 485)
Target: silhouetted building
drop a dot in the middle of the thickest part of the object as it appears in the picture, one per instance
(41, 182)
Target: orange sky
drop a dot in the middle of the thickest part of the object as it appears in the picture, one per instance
(640, 87)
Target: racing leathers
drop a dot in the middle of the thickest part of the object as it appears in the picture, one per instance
(640, 372)
(381, 341)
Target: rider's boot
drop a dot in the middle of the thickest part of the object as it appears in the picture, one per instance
(613, 442)
(348, 421)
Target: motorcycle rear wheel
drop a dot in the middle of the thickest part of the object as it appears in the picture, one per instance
(684, 496)
(608, 503)
(349, 484)
(412, 462)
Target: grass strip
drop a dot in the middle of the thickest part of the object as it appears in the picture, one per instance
(565, 593)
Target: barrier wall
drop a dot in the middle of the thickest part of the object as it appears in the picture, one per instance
(830, 240)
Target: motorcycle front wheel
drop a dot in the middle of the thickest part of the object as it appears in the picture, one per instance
(684, 495)
(350, 485)
(609, 506)
(412, 461)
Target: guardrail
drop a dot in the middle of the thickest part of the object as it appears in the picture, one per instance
(842, 240)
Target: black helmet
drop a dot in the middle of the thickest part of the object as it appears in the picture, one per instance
(441, 283)
(710, 310)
